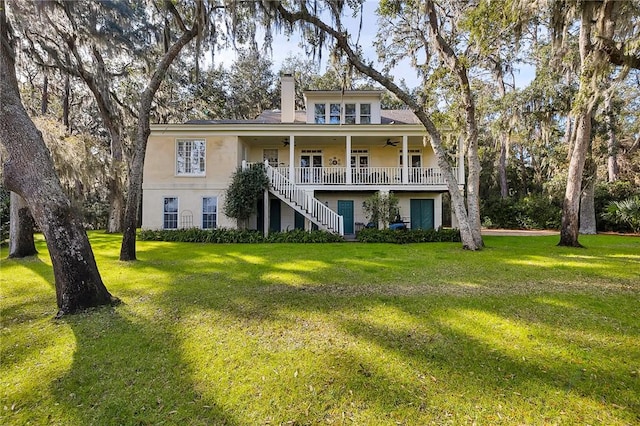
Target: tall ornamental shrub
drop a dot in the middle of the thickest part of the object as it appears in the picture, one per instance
(246, 188)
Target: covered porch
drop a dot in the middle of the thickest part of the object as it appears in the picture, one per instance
(354, 160)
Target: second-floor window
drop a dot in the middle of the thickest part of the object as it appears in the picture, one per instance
(271, 155)
(365, 113)
(320, 113)
(350, 114)
(190, 157)
(334, 113)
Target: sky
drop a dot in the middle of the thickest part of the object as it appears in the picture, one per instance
(283, 47)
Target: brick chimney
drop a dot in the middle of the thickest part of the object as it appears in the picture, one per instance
(287, 98)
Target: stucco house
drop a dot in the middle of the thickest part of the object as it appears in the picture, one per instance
(322, 163)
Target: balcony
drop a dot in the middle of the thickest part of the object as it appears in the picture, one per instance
(370, 176)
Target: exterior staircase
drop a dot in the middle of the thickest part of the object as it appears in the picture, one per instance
(304, 203)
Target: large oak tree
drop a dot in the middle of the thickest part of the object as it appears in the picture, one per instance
(29, 172)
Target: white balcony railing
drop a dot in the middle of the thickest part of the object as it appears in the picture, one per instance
(366, 176)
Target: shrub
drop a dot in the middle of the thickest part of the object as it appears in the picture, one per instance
(625, 213)
(607, 194)
(224, 235)
(538, 212)
(369, 235)
(246, 188)
(531, 212)
(499, 212)
(302, 236)
(381, 208)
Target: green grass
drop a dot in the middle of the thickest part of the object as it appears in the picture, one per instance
(523, 332)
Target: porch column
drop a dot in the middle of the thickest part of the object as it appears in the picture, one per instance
(266, 216)
(405, 159)
(348, 159)
(292, 164)
(461, 173)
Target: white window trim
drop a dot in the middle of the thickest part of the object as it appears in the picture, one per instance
(343, 108)
(324, 116)
(202, 173)
(360, 115)
(177, 212)
(203, 212)
(409, 153)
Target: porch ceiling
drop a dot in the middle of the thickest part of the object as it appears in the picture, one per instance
(316, 141)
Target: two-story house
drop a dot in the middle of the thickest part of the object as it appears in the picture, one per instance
(322, 163)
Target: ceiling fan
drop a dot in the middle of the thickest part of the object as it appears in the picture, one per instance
(285, 142)
(389, 142)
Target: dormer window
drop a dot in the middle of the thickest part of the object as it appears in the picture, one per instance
(350, 114)
(343, 107)
(320, 113)
(365, 113)
(334, 113)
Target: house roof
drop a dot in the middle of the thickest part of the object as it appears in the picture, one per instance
(387, 116)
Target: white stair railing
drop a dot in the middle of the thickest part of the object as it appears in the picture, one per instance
(304, 203)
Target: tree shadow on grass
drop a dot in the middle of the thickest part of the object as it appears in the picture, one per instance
(18, 285)
(565, 359)
(127, 370)
(495, 355)
(370, 347)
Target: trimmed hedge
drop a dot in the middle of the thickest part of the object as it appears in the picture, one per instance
(408, 236)
(224, 235)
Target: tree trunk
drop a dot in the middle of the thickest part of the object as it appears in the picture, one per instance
(587, 199)
(116, 203)
(571, 204)
(612, 142)
(458, 68)
(134, 193)
(21, 225)
(28, 171)
(587, 207)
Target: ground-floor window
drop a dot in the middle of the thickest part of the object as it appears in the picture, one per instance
(170, 220)
(209, 212)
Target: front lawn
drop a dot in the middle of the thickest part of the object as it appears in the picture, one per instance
(523, 332)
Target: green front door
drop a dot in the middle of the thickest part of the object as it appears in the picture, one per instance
(345, 209)
(421, 214)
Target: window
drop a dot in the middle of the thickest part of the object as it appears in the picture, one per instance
(350, 114)
(270, 155)
(311, 161)
(170, 220)
(190, 157)
(319, 112)
(334, 113)
(415, 157)
(209, 212)
(359, 159)
(365, 113)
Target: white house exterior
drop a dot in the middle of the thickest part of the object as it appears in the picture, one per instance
(322, 163)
